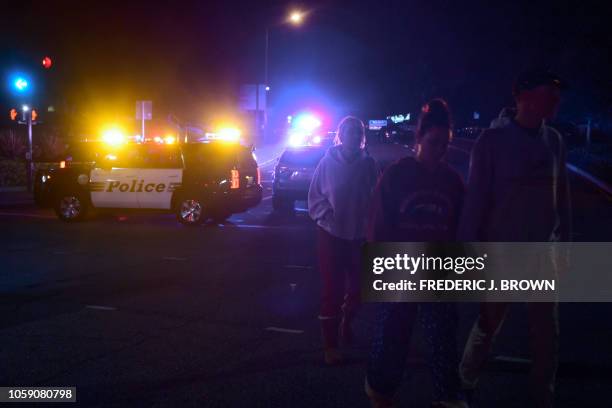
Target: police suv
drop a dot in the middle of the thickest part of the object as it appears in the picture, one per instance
(197, 181)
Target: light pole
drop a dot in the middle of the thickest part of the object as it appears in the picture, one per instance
(295, 18)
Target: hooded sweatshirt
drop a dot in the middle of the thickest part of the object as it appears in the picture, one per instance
(517, 187)
(415, 204)
(340, 193)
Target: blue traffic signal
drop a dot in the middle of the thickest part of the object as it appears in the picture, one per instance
(21, 84)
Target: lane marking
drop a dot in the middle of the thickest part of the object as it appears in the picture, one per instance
(602, 185)
(281, 330)
(96, 307)
(266, 198)
(297, 266)
(173, 258)
(12, 214)
(273, 227)
(264, 164)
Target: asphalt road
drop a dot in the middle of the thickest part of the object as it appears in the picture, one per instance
(136, 310)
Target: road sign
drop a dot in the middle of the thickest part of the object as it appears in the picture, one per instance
(146, 107)
(377, 124)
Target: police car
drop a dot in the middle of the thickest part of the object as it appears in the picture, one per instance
(197, 181)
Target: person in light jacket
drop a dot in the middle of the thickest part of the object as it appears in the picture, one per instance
(338, 201)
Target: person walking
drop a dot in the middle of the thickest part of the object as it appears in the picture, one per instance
(418, 199)
(518, 191)
(338, 201)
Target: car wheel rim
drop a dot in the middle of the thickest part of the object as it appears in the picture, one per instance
(70, 207)
(191, 210)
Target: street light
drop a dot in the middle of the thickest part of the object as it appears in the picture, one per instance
(295, 18)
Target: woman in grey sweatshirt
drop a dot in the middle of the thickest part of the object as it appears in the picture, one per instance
(338, 201)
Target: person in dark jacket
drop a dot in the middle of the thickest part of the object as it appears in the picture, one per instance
(518, 191)
(418, 199)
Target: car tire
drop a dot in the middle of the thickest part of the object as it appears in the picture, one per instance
(282, 204)
(190, 211)
(71, 206)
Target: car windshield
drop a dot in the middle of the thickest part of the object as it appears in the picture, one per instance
(302, 157)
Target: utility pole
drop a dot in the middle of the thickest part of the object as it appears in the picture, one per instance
(29, 154)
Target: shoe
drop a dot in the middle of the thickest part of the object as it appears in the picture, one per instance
(332, 357)
(377, 400)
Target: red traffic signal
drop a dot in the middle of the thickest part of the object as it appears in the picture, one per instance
(34, 115)
(47, 62)
(13, 113)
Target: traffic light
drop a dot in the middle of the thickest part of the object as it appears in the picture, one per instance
(21, 84)
(34, 115)
(13, 113)
(47, 62)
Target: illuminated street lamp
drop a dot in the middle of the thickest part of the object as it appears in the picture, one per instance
(295, 18)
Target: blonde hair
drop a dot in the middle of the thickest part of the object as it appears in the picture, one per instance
(348, 121)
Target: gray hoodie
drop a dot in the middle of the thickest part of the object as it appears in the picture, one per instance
(340, 193)
(517, 188)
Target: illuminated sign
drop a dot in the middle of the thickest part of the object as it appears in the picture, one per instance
(377, 124)
(399, 118)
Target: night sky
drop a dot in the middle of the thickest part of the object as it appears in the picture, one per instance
(372, 58)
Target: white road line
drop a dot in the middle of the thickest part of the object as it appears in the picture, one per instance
(96, 307)
(602, 185)
(271, 227)
(12, 214)
(511, 359)
(266, 198)
(281, 330)
(297, 266)
(173, 258)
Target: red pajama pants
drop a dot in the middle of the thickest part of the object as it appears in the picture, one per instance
(340, 266)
